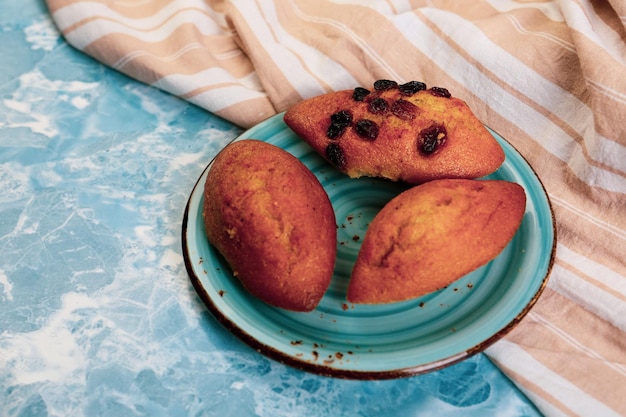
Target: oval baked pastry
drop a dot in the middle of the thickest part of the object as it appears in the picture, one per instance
(271, 219)
(402, 132)
(433, 234)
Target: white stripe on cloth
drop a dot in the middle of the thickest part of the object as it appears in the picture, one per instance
(379, 6)
(140, 53)
(323, 66)
(76, 12)
(95, 29)
(616, 231)
(219, 98)
(550, 9)
(581, 17)
(591, 297)
(183, 84)
(520, 28)
(305, 83)
(523, 79)
(524, 364)
(360, 42)
(576, 344)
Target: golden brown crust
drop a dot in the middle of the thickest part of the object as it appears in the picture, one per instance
(270, 218)
(433, 234)
(467, 149)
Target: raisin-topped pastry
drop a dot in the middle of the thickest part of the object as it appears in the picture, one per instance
(402, 132)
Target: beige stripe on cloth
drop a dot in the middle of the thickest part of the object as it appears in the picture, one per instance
(549, 76)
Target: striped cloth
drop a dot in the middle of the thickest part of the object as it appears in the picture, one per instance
(550, 76)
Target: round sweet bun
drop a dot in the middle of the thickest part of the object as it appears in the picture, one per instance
(270, 218)
(433, 234)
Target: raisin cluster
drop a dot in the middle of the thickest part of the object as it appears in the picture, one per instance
(429, 139)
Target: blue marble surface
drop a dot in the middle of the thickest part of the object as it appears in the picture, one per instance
(97, 314)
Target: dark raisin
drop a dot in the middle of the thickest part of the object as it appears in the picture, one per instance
(405, 110)
(335, 155)
(382, 85)
(360, 93)
(335, 130)
(440, 92)
(378, 106)
(367, 129)
(338, 123)
(429, 140)
(342, 117)
(412, 87)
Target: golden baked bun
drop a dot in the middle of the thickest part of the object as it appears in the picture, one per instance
(399, 132)
(433, 234)
(270, 218)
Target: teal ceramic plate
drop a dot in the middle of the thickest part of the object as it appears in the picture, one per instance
(381, 341)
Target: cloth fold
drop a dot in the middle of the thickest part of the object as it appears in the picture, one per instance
(550, 76)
